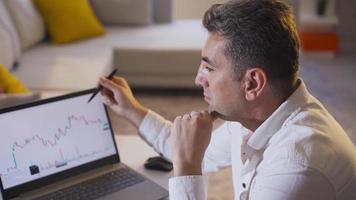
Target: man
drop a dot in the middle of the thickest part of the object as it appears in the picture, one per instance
(281, 142)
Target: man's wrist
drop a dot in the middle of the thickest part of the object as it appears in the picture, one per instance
(137, 114)
(186, 169)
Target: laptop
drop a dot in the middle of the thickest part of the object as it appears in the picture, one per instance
(64, 148)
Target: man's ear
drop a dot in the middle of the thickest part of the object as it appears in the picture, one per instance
(255, 80)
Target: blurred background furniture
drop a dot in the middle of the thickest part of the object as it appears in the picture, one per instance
(317, 27)
(142, 40)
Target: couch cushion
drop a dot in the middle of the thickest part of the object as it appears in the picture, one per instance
(9, 83)
(29, 23)
(66, 67)
(9, 40)
(127, 12)
(69, 20)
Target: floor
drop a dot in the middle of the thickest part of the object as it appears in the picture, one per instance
(330, 80)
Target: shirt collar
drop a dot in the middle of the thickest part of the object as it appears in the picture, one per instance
(273, 123)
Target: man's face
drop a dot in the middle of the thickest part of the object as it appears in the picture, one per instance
(222, 90)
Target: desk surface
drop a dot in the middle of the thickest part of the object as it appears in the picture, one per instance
(134, 152)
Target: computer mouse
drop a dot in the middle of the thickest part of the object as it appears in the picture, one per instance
(158, 163)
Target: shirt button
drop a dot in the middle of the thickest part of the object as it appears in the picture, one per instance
(243, 195)
(243, 185)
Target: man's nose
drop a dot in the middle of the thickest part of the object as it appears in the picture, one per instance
(200, 80)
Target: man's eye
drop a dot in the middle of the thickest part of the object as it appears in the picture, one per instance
(208, 68)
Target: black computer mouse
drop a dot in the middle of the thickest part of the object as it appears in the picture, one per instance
(158, 163)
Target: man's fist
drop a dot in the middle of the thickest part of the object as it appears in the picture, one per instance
(190, 136)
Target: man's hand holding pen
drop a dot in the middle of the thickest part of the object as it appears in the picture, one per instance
(118, 96)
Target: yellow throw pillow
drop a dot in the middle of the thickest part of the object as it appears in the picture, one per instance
(9, 84)
(69, 20)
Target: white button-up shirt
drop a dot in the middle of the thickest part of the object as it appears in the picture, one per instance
(299, 152)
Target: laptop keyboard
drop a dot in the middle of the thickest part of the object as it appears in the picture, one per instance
(98, 186)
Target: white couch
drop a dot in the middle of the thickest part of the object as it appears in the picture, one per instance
(151, 55)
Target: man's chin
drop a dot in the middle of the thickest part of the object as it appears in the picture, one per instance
(218, 114)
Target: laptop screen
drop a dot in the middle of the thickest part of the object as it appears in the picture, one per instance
(53, 136)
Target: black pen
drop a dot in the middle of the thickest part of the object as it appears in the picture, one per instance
(111, 75)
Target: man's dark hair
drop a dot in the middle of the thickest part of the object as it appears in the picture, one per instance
(259, 33)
